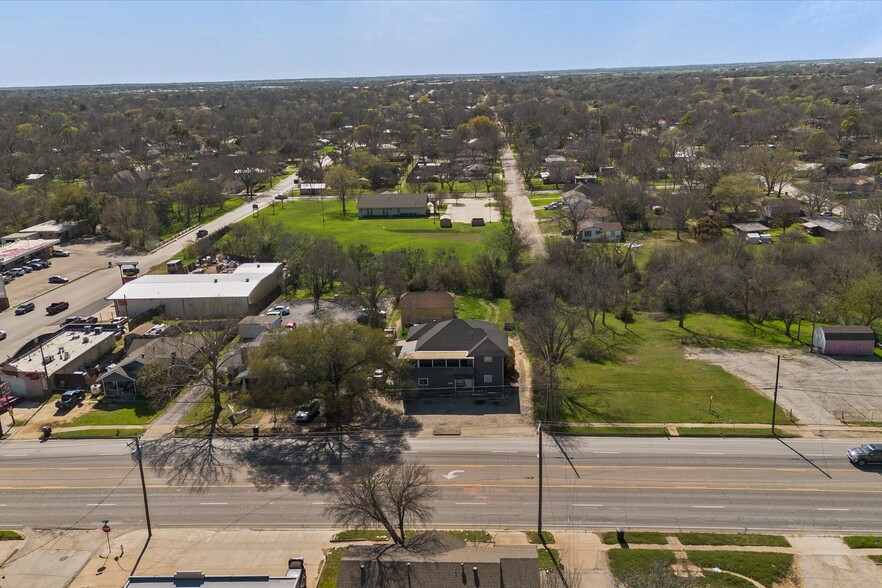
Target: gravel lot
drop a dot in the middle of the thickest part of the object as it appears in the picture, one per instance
(817, 388)
(469, 208)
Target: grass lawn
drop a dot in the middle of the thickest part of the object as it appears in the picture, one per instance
(496, 311)
(876, 558)
(742, 539)
(360, 535)
(533, 537)
(6, 535)
(730, 432)
(549, 558)
(722, 580)
(636, 538)
(202, 411)
(331, 569)
(765, 568)
(380, 234)
(93, 433)
(649, 379)
(863, 541)
(625, 562)
(112, 413)
(613, 431)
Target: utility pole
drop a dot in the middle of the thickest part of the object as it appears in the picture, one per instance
(539, 523)
(775, 398)
(143, 485)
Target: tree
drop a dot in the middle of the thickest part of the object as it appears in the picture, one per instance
(511, 243)
(774, 165)
(736, 191)
(681, 206)
(321, 267)
(819, 146)
(329, 360)
(342, 181)
(571, 218)
(529, 162)
(676, 275)
(392, 495)
(364, 279)
(250, 176)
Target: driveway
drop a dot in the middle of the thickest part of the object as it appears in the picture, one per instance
(820, 390)
(468, 208)
(521, 207)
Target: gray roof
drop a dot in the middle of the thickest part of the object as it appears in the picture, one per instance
(392, 201)
(750, 227)
(475, 337)
(848, 333)
(828, 224)
(436, 560)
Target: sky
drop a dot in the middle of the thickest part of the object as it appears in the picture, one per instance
(85, 43)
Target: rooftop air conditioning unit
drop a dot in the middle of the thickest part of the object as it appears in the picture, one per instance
(85, 339)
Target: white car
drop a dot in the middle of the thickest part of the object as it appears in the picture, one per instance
(379, 374)
(278, 311)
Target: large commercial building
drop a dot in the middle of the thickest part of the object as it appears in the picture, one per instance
(15, 252)
(192, 296)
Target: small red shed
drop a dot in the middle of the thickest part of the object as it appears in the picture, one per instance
(844, 340)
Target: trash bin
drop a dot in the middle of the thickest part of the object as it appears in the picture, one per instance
(620, 534)
(255, 431)
(47, 430)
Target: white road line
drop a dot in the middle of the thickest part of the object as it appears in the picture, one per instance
(470, 503)
(589, 505)
(106, 454)
(842, 509)
(213, 503)
(98, 504)
(706, 506)
(320, 503)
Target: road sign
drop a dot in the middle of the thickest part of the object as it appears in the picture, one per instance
(106, 527)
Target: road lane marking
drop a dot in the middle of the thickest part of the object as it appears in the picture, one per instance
(707, 506)
(843, 509)
(470, 503)
(213, 503)
(321, 503)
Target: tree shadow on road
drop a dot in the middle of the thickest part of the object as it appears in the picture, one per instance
(198, 462)
(312, 463)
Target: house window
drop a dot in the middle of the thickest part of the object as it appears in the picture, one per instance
(438, 363)
(470, 362)
(423, 382)
(425, 363)
(453, 363)
(488, 379)
(488, 359)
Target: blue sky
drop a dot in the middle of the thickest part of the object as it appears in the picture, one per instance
(62, 43)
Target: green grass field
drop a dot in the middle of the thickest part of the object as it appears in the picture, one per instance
(495, 311)
(765, 568)
(107, 413)
(549, 558)
(379, 234)
(95, 433)
(360, 535)
(636, 538)
(331, 569)
(863, 541)
(651, 381)
(730, 432)
(742, 539)
(547, 537)
(625, 562)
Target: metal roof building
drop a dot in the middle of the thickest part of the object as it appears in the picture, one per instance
(245, 291)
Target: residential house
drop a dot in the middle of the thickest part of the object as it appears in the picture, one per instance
(436, 559)
(774, 208)
(121, 380)
(392, 205)
(824, 226)
(844, 340)
(741, 230)
(456, 355)
(312, 189)
(595, 231)
(421, 307)
(251, 327)
(555, 158)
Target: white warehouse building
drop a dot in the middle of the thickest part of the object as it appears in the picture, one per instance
(190, 296)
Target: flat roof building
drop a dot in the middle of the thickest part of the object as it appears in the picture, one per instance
(59, 362)
(14, 252)
(244, 291)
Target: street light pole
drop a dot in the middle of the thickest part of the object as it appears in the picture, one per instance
(775, 399)
(143, 485)
(539, 522)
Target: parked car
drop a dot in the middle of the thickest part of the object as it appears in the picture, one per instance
(26, 269)
(379, 374)
(25, 308)
(57, 306)
(61, 253)
(69, 320)
(58, 280)
(17, 272)
(8, 401)
(70, 399)
(91, 320)
(278, 310)
(827, 213)
(201, 233)
(2, 335)
(40, 263)
(866, 453)
(308, 412)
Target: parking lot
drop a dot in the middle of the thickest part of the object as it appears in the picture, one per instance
(468, 208)
(86, 255)
(820, 390)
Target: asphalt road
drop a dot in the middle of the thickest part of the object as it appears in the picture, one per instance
(735, 485)
(87, 295)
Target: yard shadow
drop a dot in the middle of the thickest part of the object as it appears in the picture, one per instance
(312, 462)
(507, 403)
(198, 462)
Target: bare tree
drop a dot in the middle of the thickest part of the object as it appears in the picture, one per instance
(774, 165)
(391, 495)
(676, 275)
(321, 267)
(571, 217)
(341, 181)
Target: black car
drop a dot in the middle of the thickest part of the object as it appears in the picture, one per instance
(308, 412)
(866, 453)
(58, 280)
(201, 233)
(70, 399)
(25, 308)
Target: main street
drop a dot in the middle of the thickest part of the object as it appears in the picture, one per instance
(735, 484)
(87, 295)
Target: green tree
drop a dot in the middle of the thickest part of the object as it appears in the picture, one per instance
(736, 191)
